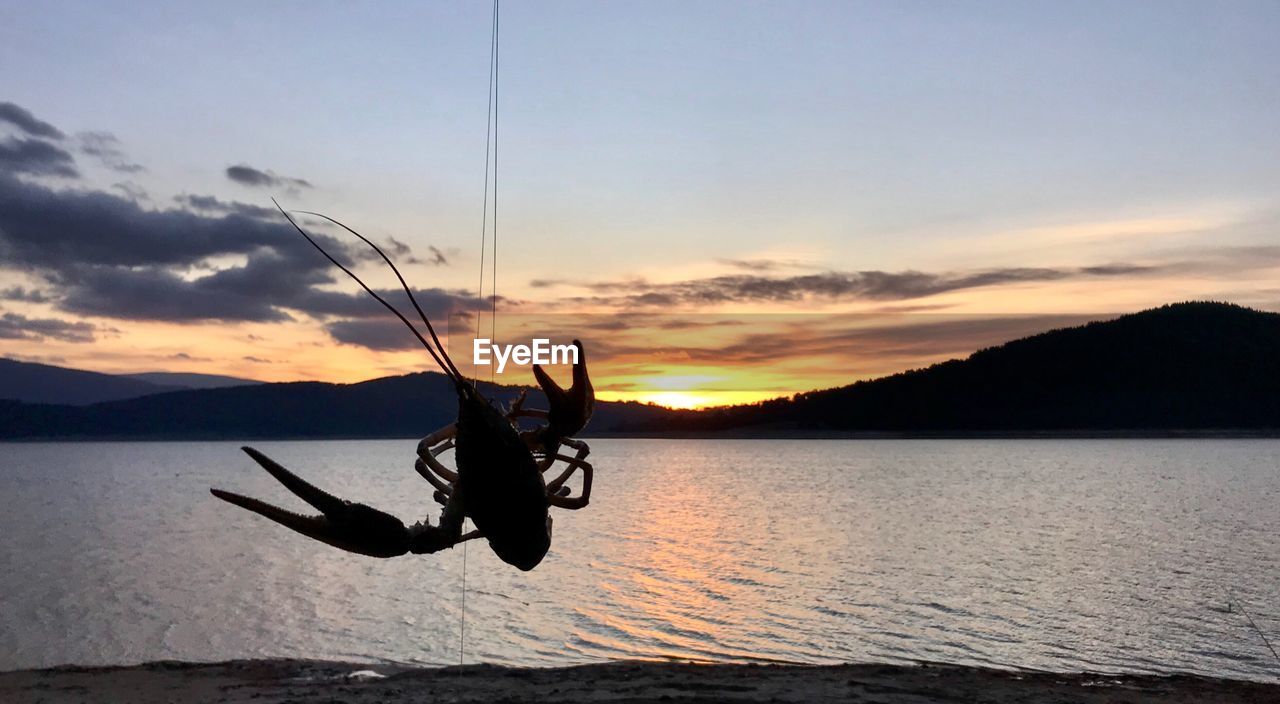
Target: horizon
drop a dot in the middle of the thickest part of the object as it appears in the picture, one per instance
(684, 401)
(836, 192)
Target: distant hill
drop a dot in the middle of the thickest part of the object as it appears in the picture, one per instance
(187, 380)
(1198, 367)
(401, 406)
(1188, 366)
(42, 383)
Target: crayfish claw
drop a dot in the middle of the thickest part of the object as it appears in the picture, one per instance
(346, 525)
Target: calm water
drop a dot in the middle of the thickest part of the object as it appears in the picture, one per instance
(1064, 555)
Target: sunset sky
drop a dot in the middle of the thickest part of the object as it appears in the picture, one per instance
(725, 201)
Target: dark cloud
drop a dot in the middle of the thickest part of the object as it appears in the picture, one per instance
(61, 230)
(398, 250)
(153, 293)
(912, 340)
(248, 176)
(366, 325)
(19, 327)
(106, 255)
(1117, 269)
(858, 345)
(438, 304)
(22, 118)
(211, 204)
(105, 147)
(18, 293)
(35, 157)
(131, 190)
(265, 289)
(401, 252)
(382, 335)
(256, 360)
(832, 285)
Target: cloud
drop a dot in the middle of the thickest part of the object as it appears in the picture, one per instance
(257, 360)
(762, 264)
(131, 190)
(55, 359)
(63, 230)
(36, 157)
(437, 303)
(364, 323)
(106, 255)
(19, 327)
(857, 345)
(248, 176)
(153, 293)
(105, 147)
(401, 252)
(381, 335)
(437, 257)
(103, 255)
(845, 338)
(267, 288)
(397, 249)
(22, 118)
(18, 293)
(831, 285)
(211, 204)
(913, 308)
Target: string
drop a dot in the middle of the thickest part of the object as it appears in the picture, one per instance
(493, 316)
(490, 137)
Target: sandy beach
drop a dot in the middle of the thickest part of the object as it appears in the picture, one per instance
(632, 682)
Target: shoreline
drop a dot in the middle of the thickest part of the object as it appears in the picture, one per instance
(634, 682)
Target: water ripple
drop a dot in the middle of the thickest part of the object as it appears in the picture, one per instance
(1116, 556)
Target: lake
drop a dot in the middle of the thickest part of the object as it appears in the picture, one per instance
(1110, 555)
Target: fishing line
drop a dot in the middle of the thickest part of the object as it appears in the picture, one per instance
(488, 141)
(490, 138)
(1231, 599)
(493, 316)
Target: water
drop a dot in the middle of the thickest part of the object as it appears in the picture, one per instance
(1061, 555)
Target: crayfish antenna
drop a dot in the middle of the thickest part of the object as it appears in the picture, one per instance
(403, 284)
(449, 369)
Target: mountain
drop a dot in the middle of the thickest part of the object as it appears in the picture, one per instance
(1199, 367)
(188, 380)
(401, 406)
(1188, 366)
(41, 383)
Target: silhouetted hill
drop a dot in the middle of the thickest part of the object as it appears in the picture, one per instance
(42, 383)
(402, 406)
(1188, 366)
(189, 380)
(1184, 367)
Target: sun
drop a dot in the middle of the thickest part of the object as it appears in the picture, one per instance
(687, 400)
